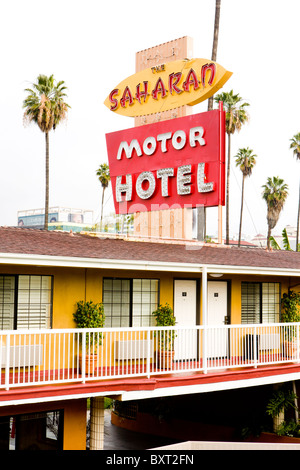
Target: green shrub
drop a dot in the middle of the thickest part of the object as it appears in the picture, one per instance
(290, 305)
(164, 316)
(90, 315)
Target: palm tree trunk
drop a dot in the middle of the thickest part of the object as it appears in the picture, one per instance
(298, 221)
(215, 43)
(47, 182)
(102, 203)
(268, 237)
(227, 191)
(241, 215)
(211, 99)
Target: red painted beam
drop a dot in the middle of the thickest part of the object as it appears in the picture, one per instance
(118, 385)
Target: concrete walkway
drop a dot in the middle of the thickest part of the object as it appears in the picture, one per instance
(116, 438)
(201, 445)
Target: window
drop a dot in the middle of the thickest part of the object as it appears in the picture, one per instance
(260, 302)
(7, 302)
(25, 302)
(34, 431)
(129, 302)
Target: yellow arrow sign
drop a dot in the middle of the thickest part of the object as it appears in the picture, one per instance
(167, 86)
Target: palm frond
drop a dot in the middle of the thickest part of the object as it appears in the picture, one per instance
(275, 192)
(45, 103)
(295, 145)
(103, 175)
(236, 114)
(274, 243)
(245, 160)
(285, 240)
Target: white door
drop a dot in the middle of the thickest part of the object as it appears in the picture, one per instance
(185, 304)
(217, 341)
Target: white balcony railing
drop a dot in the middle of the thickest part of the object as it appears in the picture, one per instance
(43, 357)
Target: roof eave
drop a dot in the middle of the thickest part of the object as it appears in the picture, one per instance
(143, 265)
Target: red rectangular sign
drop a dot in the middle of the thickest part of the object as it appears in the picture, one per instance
(169, 164)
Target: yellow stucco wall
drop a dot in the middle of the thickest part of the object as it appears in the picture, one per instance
(235, 301)
(75, 425)
(73, 284)
(68, 288)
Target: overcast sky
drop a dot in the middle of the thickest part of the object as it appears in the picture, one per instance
(91, 45)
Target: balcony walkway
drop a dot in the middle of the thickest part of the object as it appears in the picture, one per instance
(170, 383)
(46, 364)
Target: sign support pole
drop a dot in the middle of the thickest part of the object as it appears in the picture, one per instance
(162, 222)
(222, 162)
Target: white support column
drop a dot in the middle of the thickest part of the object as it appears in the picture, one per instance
(204, 317)
(97, 423)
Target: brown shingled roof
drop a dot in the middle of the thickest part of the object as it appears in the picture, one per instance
(62, 244)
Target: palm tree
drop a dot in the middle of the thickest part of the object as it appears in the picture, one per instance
(104, 178)
(236, 116)
(245, 160)
(45, 106)
(275, 193)
(295, 145)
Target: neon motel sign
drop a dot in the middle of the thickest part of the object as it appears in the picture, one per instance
(170, 164)
(175, 163)
(167, 86)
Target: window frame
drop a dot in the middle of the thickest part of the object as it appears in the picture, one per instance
(260, 302)
(16, 300)
(131, 300)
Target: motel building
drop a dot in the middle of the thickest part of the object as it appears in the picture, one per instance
(228, 332)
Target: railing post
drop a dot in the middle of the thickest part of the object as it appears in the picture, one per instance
(204, 352)
(7, 361)
(148, 355)
(204, 317)
(83, 355)
(255, 344)
(298, 359)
